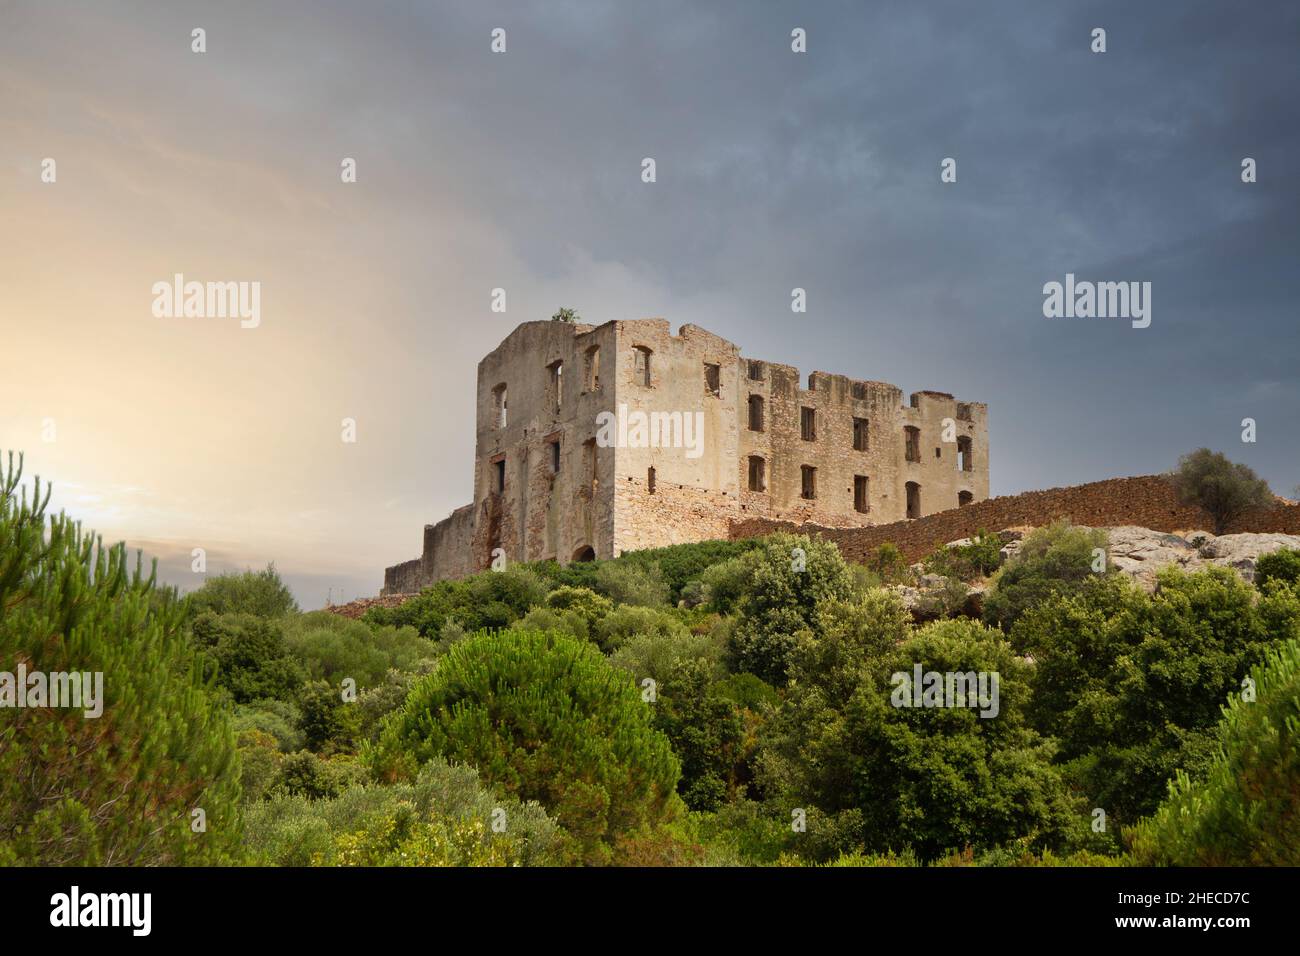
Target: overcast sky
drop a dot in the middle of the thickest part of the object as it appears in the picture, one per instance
(522, 170)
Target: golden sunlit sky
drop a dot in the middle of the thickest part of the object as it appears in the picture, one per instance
(522, 171)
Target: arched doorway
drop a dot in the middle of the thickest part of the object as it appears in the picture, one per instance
(585, 553)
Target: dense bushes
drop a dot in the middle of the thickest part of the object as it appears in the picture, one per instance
(1056, 559)
(491, 599)
(1283, 565)
(723, 703)
(1243, 811)
(445, 817)
(783, 584)
(932, 778)
(1132, 684)
(248, 655)
(259, 593)
(78, 790)
(546, 718)
(332, 648)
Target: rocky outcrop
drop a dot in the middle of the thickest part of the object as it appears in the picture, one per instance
(1141, 553)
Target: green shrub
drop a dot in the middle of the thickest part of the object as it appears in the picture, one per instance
(1283, 565)
(851, 638)
(628, 621)
(747, 692)
(304, 774)
(694, 594)
(260, 762)
(654, 655)
(726, 584)
(546, 718)
(888, 564)
(926, 778)
(627, 583)
(706, 733)
(248, 655)
(278, 719)
(331, 647)
(565, 622)
(679, 564)
(1132, 684)
(117, 789)
(259, 593)
(486, 600)
(1056, 559)
(967, 562)
(386, 824)
(791, 577)
(586, 603)
(1243, 812)
(329, 723)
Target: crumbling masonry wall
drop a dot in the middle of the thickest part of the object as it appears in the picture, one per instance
(1147, 501)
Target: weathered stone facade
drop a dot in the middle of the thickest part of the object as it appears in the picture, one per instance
(592, 441)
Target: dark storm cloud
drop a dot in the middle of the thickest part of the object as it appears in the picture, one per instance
(778, 170)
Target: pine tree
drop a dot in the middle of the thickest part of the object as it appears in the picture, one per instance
(120, 789)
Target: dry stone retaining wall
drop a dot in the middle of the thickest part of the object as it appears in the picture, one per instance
(1147, 501)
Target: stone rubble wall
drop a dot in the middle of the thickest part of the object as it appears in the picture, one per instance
(1146, 501)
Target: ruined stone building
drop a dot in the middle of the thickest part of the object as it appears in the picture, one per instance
(592, 441)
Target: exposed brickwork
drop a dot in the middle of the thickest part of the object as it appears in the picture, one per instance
(1147, 501)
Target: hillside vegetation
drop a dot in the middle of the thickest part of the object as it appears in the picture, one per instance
(726, 703)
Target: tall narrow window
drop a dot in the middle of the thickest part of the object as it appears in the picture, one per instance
(808, 424)
(593, 369)
(499, 476)
(650, 479)
(499, 404)
(712, 379)
(912, 437)
(755, 371)
(913, 500)
(757, 474)
(641, 364)
(809, 481)
(589, 461)
(860, 434)
(756, 413)
(965, 456)
(860, 500)
(556, 370)
(555, 457)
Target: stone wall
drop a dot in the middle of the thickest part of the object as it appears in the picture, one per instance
(1147, 501)
(404, 578)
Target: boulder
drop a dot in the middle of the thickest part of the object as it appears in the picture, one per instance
(1241, 551)
(1141, 553)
